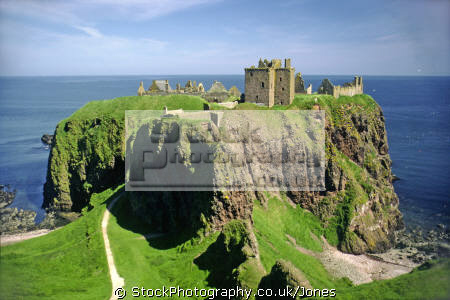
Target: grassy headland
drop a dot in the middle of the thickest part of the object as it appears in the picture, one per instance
(88, 151)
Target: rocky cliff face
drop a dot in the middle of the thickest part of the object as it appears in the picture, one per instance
(86, 157)
(359, 210)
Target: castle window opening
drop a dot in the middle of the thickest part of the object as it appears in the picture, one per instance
(282, 89)
(280, 78)
(262, 84)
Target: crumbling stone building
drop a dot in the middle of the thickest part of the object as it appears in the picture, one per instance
(270, 83)
(300, 85)
(160, 86)
(217, 92)
(347, 89)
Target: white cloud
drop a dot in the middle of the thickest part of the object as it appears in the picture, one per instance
(82, 12)
(387, 37)
(53, 11)
(144, 9)
(89, 31)
(35, 51)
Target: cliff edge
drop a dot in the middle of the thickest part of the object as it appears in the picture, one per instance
(358, 211)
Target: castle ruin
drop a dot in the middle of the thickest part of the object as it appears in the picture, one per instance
(347, 89)
(160, 86)
(300, 85)
(270, 83)
(217, 92)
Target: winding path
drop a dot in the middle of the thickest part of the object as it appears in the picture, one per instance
(117, 281)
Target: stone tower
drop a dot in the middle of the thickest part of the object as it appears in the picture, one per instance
(141, 90)
(270, 83)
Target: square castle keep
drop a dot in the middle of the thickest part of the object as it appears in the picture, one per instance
(270, 83)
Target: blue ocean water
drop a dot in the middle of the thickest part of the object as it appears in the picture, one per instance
(417, 112)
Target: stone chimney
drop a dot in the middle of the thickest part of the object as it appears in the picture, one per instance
(287, 62)
(141, 90)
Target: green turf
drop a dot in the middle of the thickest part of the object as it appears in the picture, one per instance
(116, 107)
(155, 262)
(273, 223)
(69, 263)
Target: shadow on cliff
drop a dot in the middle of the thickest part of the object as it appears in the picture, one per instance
(220, 260)
(155, 236)
(166, 218)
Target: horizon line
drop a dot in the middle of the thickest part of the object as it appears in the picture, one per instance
(225, 74)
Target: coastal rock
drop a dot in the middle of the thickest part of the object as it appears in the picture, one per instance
(6, 196)
(12, 219)
(47, 139)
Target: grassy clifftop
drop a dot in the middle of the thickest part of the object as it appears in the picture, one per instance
(214, 239)
(87, 153)
(359, 209)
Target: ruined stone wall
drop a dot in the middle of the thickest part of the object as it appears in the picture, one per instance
(284, 86)
(344, 91)
(259, 85)
(326, 87)
(299, 84)
(348, 89)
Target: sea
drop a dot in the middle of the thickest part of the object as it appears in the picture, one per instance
(416, 109)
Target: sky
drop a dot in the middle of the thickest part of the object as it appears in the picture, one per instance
(161, 37)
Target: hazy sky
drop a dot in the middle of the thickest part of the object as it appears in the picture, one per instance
(84, 37)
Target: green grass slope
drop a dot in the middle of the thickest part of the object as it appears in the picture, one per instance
(116, 107)
(69, 263)
(154, 261)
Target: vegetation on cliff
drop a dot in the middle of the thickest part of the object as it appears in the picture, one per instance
(70, 262)
(87, 153)
(88, 156)
(252, 233)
